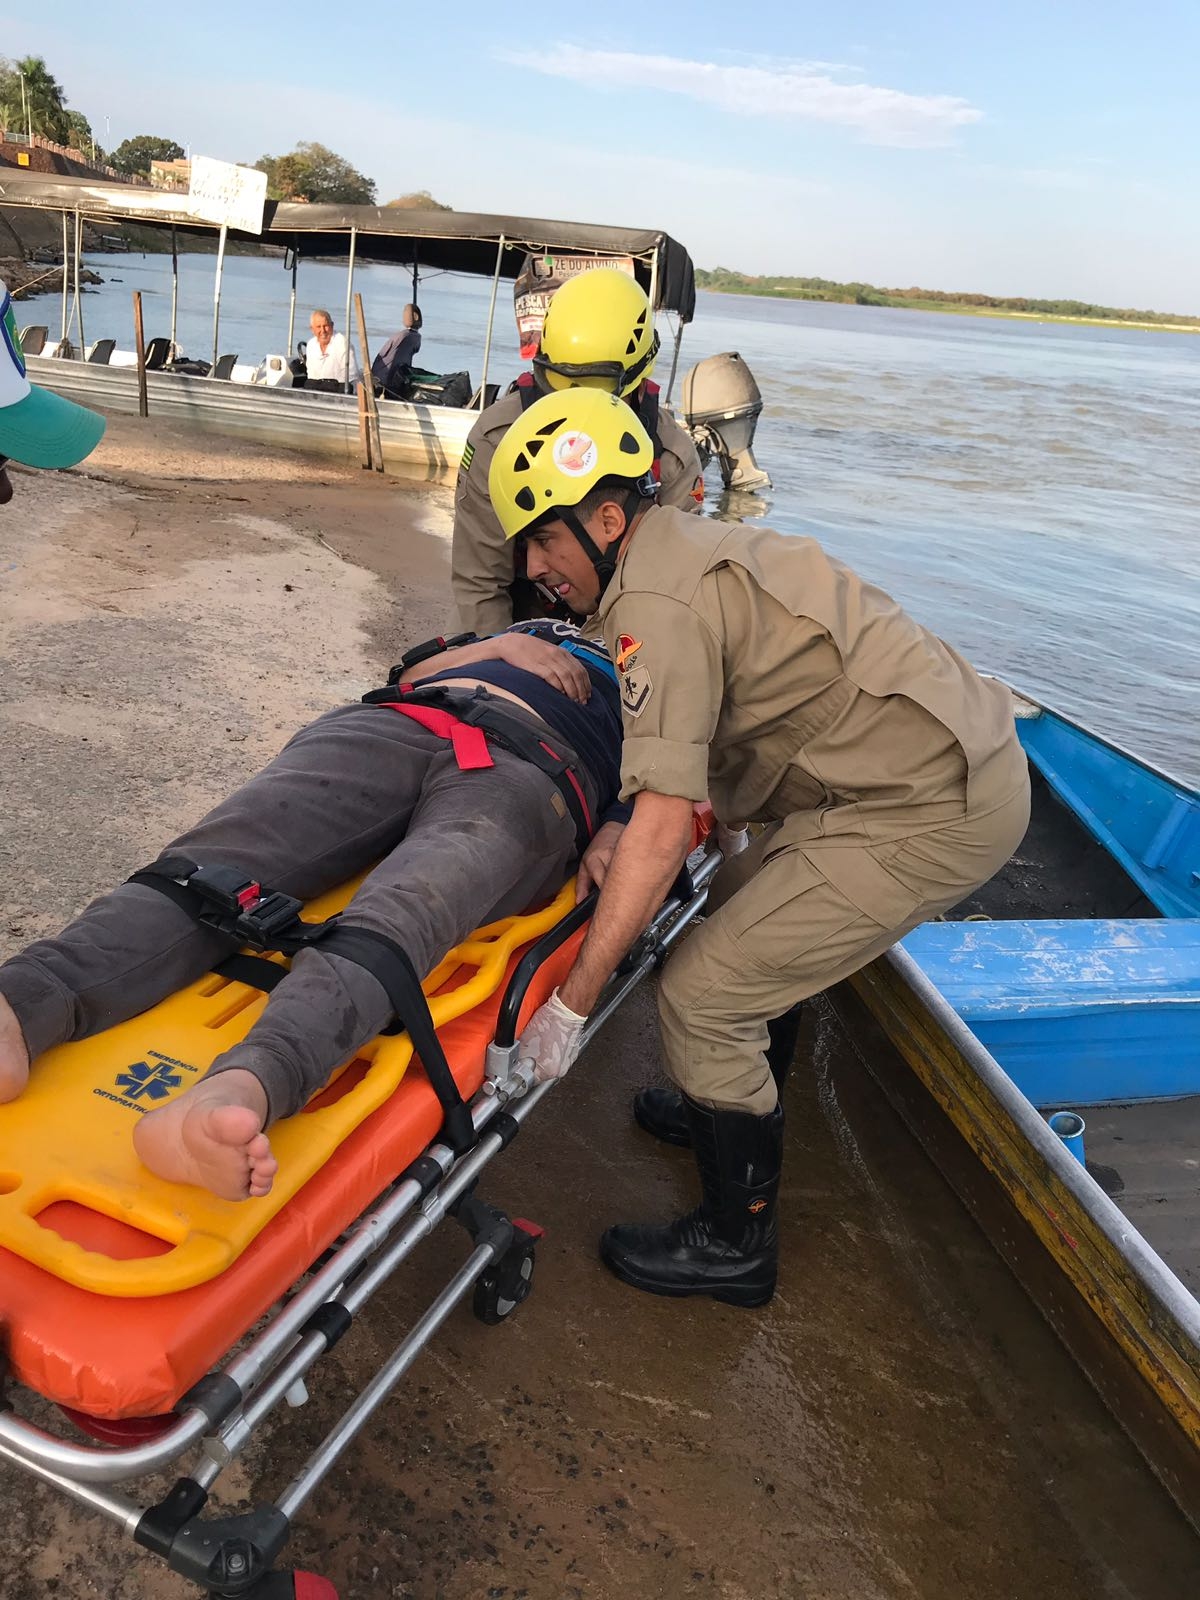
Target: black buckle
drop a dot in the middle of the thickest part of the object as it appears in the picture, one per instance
(237, 905)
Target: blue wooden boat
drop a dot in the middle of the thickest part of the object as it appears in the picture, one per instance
(1071, 984)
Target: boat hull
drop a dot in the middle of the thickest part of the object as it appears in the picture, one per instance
(421, 442)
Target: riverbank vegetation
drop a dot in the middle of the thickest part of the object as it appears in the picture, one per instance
(725, 281)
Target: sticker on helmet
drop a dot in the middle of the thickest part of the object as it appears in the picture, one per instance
(574, 453)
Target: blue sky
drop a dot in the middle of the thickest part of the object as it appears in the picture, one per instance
(1045, 149)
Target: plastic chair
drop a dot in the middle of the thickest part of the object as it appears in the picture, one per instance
(157, 354)
(489, 395)
(33, 340)
(224, 367)
(101, 351)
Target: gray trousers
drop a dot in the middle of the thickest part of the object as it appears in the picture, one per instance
(360, 787)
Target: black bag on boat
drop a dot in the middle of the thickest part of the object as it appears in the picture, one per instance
(437, 389)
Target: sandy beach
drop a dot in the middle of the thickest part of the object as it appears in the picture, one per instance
(898, 1423)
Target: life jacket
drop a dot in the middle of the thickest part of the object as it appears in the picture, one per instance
(646, 411)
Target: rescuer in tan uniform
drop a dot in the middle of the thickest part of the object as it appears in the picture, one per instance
(756, 670)
(599, 332)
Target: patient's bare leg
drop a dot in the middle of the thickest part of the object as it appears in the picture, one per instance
(213, 1137)
(14, 1057)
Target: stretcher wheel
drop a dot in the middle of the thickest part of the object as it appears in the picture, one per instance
(502, 1287)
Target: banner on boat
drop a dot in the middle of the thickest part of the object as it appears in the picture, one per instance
(540, 277)
(222, 191)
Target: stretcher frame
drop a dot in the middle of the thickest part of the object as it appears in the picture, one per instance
(234, 1556)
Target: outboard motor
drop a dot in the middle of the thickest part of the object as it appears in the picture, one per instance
(720, 407)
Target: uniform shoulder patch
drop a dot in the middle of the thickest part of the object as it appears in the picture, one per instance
(635, 681)
(468, 456)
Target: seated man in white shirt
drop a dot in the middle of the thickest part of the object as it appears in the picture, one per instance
(328, 355)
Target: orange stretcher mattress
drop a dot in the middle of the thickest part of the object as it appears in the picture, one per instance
(114, 1357)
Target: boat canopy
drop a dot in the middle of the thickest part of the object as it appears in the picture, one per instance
(453, 241)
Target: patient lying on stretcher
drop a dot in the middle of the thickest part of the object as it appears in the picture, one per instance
(451, 844)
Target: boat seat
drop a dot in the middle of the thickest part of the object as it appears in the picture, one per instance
(490, 393)
(224, 367)
(101, 352)
(33, 339)
(1076, 1012)
(157, 353)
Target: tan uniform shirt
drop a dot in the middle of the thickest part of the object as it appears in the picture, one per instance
(758, 670)
(481, 563)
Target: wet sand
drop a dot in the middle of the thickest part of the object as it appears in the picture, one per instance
(899, 1422)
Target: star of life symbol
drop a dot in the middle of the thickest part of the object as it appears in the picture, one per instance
(148, 1081)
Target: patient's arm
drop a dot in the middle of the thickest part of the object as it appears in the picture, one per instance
(558, 667)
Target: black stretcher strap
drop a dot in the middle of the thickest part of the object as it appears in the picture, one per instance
(224, 899)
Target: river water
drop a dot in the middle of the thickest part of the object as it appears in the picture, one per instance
(1031, 491)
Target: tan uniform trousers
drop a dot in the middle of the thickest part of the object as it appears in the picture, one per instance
(794, 914)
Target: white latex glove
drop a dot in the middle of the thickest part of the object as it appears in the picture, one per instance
(550, 1041)
(732, 841)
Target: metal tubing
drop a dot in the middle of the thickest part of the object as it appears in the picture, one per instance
(384, 1381)
(217, 288)
(349, 302)
(292, 306)
(487, 343)
(40, 1451)
(115, 1506)
(674, 360)
(174, 287)
(78, 285)
(66, 247)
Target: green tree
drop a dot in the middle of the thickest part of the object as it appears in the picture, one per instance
(421, 200)
(30, 96)
(136, 154)
(315, 173)
(80, 136)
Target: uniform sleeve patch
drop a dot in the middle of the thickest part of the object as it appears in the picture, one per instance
(627, 649)
(636, 689)
(468, 456)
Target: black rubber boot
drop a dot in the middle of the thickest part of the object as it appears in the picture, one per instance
(729, 1246)
(660, 1110)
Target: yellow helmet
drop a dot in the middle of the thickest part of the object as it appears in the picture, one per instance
(599, 333)
(560, 449)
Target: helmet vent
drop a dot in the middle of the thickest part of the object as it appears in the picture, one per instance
(629, 445)
(521, 464)
(631, 347)
(524, 498)
(641, 321)
(535, 445)
(552, 427)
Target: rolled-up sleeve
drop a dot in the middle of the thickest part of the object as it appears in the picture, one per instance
(670, 674)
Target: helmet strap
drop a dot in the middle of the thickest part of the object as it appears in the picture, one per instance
(605, 561)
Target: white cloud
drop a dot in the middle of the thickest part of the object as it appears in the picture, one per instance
(805, 90)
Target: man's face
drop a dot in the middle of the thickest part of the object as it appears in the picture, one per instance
(322, 330)
(555, 557)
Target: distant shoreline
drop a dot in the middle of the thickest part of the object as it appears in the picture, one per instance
(961, 310)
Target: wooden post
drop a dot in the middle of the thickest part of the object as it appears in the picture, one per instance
(372, 404)
(364, 426)
(139, 335)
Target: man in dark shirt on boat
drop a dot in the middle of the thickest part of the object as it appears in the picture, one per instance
(455, 822)
(392, 366)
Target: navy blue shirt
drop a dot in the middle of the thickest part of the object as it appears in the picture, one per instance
(593, 730)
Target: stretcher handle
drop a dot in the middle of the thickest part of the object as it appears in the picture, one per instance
(518, 984)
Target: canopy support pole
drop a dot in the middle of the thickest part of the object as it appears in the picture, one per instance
(292, 305)
(350, 304)
(174, 288)
(217, 288)
(65, 280)
(487, 343)
(78, 285)
(675, 359)
(654, 283)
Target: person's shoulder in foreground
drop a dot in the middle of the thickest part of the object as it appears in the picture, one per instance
(37, 428)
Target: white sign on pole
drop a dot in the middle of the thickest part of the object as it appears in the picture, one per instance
(223, 192)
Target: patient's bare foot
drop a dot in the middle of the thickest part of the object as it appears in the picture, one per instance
(14, 1058)
(212, 1136)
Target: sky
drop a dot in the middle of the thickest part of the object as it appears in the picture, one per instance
(1037, 148)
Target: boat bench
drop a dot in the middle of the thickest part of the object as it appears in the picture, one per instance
(1076, 1012)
